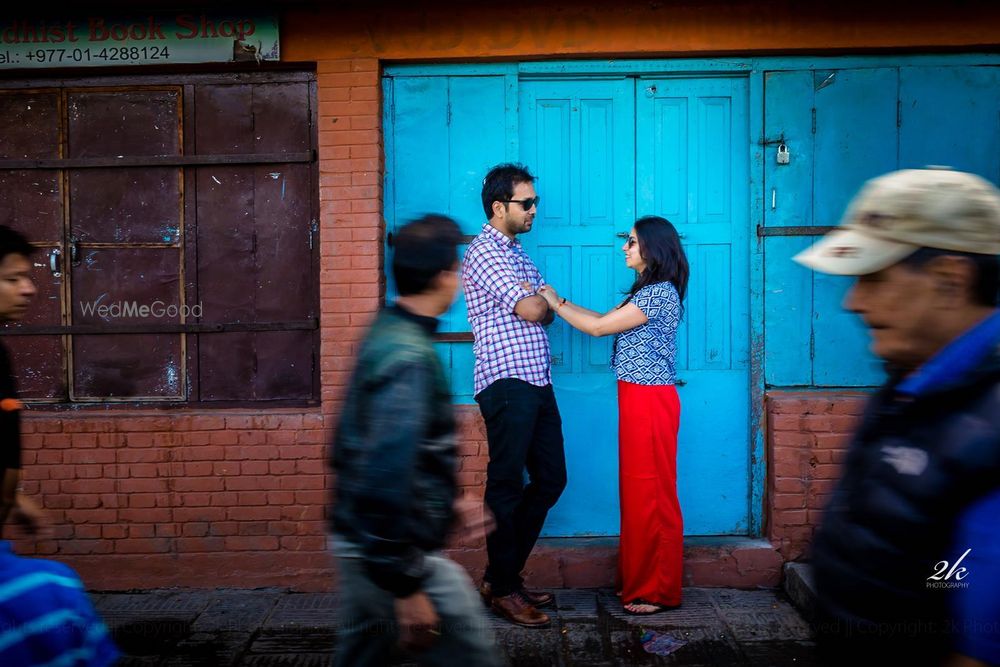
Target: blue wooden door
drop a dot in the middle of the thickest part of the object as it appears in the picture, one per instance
(578, 138)
(692, 168)
(842, 127)
(442, 134)
(605, 152)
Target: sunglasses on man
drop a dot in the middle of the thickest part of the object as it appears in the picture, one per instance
(526, 204)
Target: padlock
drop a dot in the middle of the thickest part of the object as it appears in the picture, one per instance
(783, 156)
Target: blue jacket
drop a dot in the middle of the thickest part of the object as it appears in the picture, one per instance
(46, 617)
(906, 515)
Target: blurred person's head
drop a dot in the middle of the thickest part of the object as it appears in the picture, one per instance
(16, 286)
(923, 244)
(509, 199)
(425, 262)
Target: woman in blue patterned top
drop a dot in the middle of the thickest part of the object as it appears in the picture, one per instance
(651, 546)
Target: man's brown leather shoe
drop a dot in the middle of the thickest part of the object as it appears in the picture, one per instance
(516, 609)
(536, 598)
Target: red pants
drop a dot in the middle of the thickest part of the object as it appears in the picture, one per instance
(652, 542)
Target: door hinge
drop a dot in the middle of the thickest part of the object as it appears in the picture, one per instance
(814, 120)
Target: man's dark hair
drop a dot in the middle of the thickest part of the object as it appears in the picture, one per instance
(422, 249)
(986, 286)
(13, 242)
(500, 182)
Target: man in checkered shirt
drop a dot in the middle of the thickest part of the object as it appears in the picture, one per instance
(513, 385)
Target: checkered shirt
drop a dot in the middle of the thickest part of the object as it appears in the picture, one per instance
(506, 346)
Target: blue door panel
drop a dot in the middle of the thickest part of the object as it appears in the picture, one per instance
(855, 140)
(577, 137)
(692, 170)
(788, 202)
(712, 454)
(444, 133)
(951, 116)
(840, 129)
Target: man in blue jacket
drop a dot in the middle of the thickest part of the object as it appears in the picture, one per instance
(907, 558)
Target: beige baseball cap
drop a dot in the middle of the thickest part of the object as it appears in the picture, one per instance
(894, 215)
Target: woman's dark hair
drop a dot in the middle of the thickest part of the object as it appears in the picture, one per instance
(421, 250)
(987, 281)
(660, 247)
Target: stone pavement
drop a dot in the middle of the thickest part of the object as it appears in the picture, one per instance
(274, 628)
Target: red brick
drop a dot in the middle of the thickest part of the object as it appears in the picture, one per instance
(202, 453)
(223, 499)
(200, 544)
(261, 543)
(198, 484)
(141, 500)
(92, 516)
(252, 528)
(224, 528)
(194, 529)
(301, 482)
(790, 517)
(300, 543)
(223, 438)
(78, 546)
(86, 502)
(156, 515)
(113, 532)
(249, 483)
(254, 468)
(368, 122)
(787, 501)
(84, 486)
(334, 94)
(207, 423)
(311, 497)
(247, 498)
(141, 530)
(167, 530)
(280, 497)
(281, 467)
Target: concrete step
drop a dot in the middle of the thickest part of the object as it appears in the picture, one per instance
(591, 562)
(800, 588)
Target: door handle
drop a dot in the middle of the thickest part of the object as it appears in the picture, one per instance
(54, 262)
(680, 383)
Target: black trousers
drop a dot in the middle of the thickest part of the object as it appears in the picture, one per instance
(524, 432)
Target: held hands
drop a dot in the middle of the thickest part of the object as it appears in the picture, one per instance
(30, 517)
(473, 520)
(550, 295)
(419, 624)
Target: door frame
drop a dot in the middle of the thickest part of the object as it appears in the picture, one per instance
(754, 69)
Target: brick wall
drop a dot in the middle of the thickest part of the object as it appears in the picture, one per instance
(807, 436)
(153, 499)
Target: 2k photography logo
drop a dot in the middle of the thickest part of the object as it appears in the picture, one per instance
(947, 575)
